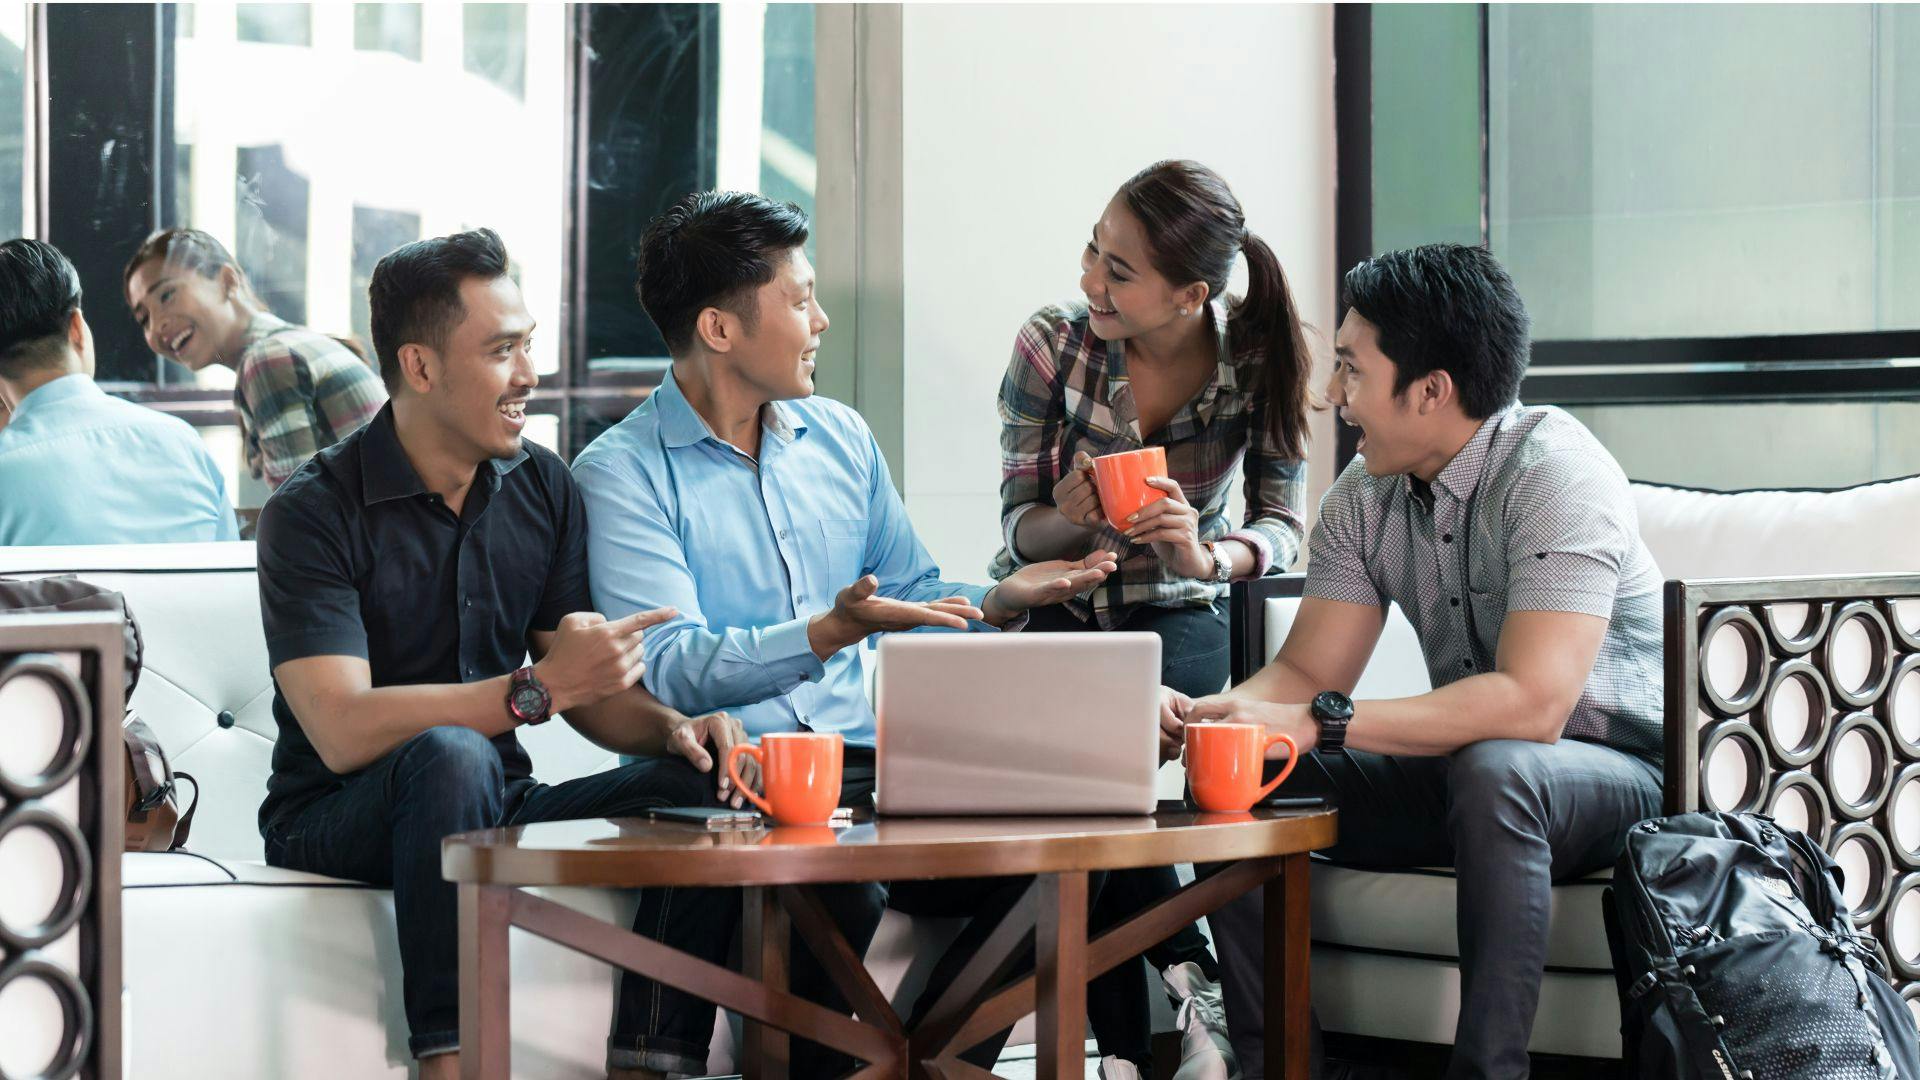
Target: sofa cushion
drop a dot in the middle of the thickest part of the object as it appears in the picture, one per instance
(1410, 912)
(1696, 533)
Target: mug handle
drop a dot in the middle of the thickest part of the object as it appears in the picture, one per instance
(741, 786)
(1293, 758)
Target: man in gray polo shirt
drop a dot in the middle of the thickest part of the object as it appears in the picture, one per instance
(1507, 535)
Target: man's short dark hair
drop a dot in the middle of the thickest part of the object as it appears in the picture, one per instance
(39, 292)
(1446, 307)
(713, 249)
(414, 297)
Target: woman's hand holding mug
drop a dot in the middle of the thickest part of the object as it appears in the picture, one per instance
(1076, 497)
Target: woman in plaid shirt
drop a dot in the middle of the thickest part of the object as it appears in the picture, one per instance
(1158, 355)
(298, 391)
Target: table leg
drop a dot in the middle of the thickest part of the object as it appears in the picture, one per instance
(1288, 911)
(763, 951)
(486, 1040)
(1060, 942)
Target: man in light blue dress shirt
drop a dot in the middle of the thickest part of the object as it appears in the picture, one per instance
(78, 466)
(767, 518)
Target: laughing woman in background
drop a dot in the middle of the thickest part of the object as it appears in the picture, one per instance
(1157, 354)
(298, 391)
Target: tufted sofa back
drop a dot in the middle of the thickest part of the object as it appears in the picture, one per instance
(206, 689)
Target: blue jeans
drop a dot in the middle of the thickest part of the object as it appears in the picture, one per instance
(1511, 817)
(384, 826)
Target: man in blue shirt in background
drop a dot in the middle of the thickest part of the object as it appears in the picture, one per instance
(767, 518)
(78, 466)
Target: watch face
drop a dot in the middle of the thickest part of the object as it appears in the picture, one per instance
(1333, 705)
(529, 702)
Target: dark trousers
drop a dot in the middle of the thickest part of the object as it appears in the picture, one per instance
(384, 826)
(1194, 661)
(1511, 817)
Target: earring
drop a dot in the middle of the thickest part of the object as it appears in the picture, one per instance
(1183, 311)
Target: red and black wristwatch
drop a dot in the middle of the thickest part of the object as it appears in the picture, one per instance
(527, 698)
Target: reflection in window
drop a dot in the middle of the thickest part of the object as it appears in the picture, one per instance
(393, 28)
(274, 24)
(364, 126)
(1706, 170)
(13, 132)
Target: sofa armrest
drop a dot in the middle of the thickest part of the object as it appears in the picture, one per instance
(1247, 621)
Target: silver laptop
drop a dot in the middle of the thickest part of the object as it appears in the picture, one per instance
(1018, 723)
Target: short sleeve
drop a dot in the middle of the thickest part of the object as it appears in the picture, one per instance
(1570, 529)
(309, 602)
(1336, 550)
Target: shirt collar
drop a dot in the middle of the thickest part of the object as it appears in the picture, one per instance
(385, 472)
(1462, 475)
(264, 323)
(681, 426)
(64, 388)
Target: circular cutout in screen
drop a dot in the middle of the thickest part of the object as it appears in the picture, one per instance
(1799, 802)
(45, 738)
(1900, 707)
(1793, 713)
(1857, 655)
(46, 1021)
(1866, 867)
(1910, 994)
(1796, 627)
(1733, 661)
(1733, 767)
(48, 848)
(1858, 765)
(1901, 933)
(1900, 817)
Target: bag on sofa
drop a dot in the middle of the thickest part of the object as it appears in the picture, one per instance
(1736, 959)
(155, 821)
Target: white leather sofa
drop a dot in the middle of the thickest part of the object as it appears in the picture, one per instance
(234, 969)
(1386, 956)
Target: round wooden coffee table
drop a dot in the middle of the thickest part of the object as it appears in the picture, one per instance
(778, 867)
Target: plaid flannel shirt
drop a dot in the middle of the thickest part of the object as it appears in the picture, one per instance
(1067, 390)
(299, 392)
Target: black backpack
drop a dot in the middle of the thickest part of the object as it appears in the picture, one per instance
(1737, 960)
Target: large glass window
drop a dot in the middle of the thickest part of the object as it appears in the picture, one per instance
(14, 103)
(1706, 170)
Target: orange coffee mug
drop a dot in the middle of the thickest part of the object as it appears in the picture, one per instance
(1224, 762)
(1121, 481)
(800, 771)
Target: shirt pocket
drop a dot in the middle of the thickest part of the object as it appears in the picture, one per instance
(845, 543)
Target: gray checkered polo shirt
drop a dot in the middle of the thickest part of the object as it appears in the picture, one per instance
(1552, 528)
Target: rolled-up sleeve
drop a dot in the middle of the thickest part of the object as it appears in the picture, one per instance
(1336, 552)
(1275, 487)
(1570, 528)
(637, 562)
(1031, 423)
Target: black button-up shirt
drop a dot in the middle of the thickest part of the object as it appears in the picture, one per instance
(357, 558)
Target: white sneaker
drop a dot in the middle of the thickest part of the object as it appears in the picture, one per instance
(1205, 1053)
(1117, 1068)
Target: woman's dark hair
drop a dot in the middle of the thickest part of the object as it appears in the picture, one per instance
(39, 292)
(201, 253)
(1194, 228)
(1446, 307)
(414, 296)
(188, 249)
(713, 249)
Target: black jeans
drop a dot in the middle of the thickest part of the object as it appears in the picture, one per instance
(1193, 660)
(385, 824)
(1511, 817)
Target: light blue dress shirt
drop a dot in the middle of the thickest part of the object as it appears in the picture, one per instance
(78, 466)
(748, 552)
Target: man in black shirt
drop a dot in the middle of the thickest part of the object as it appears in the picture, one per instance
(405, 574)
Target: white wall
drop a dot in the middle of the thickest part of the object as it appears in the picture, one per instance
(1020, 122)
